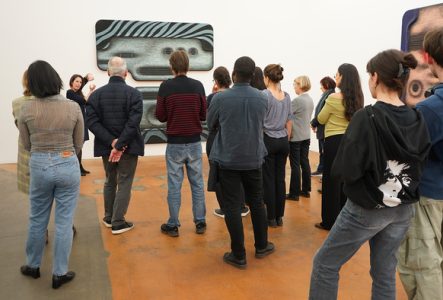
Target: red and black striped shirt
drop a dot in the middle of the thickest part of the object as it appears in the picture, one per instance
(181, 102)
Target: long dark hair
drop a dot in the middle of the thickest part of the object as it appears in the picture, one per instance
(71, 80)
(350, 87)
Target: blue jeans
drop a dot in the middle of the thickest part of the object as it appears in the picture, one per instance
(177, 156)
(53, 177)
(383, 228)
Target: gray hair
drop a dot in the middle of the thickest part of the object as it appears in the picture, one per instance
(117, 66)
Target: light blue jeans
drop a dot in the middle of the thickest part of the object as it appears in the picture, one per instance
(53, 177)
(177, 156)
(383, 228)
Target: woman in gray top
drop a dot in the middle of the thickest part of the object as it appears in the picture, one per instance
(277, 128)
(51, 128)
(302, 107)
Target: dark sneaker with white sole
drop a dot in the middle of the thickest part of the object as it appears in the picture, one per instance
(122, 228)
(169, 230)
(107, 223)
(245, 211)
(219, 212)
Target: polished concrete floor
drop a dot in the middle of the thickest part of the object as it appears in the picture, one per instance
(145, 264)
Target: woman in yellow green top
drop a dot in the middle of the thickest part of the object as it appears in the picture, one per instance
(335, 115)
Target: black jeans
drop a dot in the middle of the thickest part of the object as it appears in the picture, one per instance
(231, 181)
(274, 185)
(332, 198)
(299, 157)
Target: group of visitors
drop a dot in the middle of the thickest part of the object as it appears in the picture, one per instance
(379, 163)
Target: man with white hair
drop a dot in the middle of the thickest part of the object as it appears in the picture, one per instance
(114, 112)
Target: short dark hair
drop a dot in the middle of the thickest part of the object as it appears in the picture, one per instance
(221, 75)
(43, 80)
(274, 72)
(243, 69)
(179, 61)
(392, 67)
(433, 45)
(328, 83)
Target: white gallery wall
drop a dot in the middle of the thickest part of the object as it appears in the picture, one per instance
(306, 37)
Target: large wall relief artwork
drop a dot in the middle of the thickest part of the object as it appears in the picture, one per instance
(146, 46)
(416, 22)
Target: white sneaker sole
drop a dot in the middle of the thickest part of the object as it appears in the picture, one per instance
(107, 225)
(220, 216)
(122, 230)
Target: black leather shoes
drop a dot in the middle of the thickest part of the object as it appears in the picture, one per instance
(305, 194)
(229, 258)
(321, 226)
(291, 197)
(260, 253)
(58, 281)
(31, 272)
(272, 223)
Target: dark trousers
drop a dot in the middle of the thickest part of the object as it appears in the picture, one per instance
(214, 185)
(332, 198)
(252, 181)
(299, 158)
(274, 185)
(117, 188)
(321, 151)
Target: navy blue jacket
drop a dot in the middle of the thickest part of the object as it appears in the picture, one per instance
(114, 111)
(431, 183)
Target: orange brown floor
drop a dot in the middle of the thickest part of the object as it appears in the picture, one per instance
(145, 264)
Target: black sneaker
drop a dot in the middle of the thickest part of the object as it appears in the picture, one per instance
(107, 222)
(200, 227)
(169, 230)
(122, 228)
(229, 258)
(305, 194)
(245, 211)
(260, 253)
(279, 221)
(291, 197)
(272, 223)
(31, 272)
(219, 212)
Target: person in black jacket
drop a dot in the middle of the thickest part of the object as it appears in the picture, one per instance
(77, 82)
(327, 86)
(380, 161)
(114, 112)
